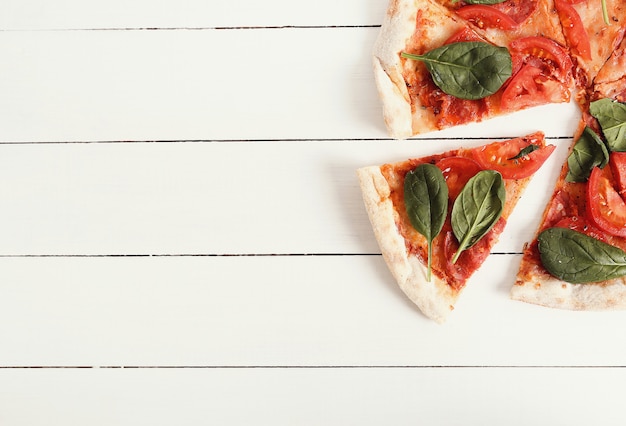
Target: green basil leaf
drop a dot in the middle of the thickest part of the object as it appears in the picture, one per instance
(426, 201)
(578, 258)
(477, 208)
(525, 151)
(589, 151)
(467, 70)
(484, 1)
(612, 118)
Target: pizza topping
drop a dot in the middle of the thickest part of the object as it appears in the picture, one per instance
(605, 12)
(542, 73)
(464, 34)
(426, 202)
(563, 204)
(605, 206)
(450, 110)
(582, 225)
(518, 10)
(578, 258)
(525, 152)
(477, 208)
(573, 28)
(504, 15)
(612, 118)
(546, 54)
(467, 70)
(429, 195)
(531, 87)
(456, 172)
(589, 151)
(486, 17)
(468, 260)
(618, 168)
(484, 1)
(505, 157)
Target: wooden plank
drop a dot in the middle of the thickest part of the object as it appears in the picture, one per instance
(75, 14)
(274, 197)
(119, 256)
(273, 311)
(209, 85)
(400, 396)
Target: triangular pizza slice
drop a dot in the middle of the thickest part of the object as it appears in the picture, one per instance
(435, 69)
(577, 259)
(436, 218)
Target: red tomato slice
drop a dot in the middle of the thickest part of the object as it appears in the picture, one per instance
(522, 90)
(605, 208)
(486, 17)
(573, 28)
(548, 52)
(530, 87)
(499, 156)
(464, 34)
(457, 171)
(617, 161)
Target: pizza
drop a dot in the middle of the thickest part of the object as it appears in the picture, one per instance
(577, 259)
(436, 218)
(444, 63)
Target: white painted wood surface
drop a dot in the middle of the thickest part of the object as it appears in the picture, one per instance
(183, 241)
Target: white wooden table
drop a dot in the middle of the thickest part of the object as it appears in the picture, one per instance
(183, 241)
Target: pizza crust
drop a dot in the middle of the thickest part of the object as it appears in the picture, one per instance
(548, 291)
(396, 105)
(435, 299)
(397, 28)
(405, 117)
(534, 284)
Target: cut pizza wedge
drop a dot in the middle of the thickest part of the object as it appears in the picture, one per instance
(436, 218)
(577, 259)
(435, 69)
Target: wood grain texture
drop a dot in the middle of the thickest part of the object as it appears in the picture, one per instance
(120, 14)
(401, 396)
(276, 311)
(250, 84)
(182, 238)
(270, 197)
